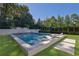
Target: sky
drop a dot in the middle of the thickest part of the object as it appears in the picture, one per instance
(44, 10)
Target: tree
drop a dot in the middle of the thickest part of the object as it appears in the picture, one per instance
(60, 21)
(67, 22)
(17, 15)
(50, 22)
(75, 19)
(39, 23)
(53, 21)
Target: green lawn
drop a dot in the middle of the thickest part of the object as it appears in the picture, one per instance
(8, 47)
(52, 52)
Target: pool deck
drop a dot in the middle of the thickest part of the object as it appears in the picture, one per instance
(32, 50)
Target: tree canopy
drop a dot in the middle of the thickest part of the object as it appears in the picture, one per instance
(62, 21)
(16, 15)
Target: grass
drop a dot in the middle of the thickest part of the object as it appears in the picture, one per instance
(9, 47)
(52, 52)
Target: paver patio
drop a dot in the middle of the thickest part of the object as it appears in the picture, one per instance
(67, 45)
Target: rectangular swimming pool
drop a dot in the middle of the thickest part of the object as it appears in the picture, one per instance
(36, 42)
(32, 38)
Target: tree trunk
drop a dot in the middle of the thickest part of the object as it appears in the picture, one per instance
(68, 30)
(74, 29)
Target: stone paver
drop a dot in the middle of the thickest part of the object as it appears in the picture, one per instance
(70, 40)
(67, 45)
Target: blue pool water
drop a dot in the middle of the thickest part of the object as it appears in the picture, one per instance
(31, 38)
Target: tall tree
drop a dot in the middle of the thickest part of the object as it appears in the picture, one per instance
(75, 19)
(39, 23)
(17, 15)
(53, 21)
(60, 21)
(67, 22)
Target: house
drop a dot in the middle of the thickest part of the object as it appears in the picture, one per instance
(1, 6)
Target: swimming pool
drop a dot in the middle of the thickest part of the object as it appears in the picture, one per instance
(32, 38)
(35, 42)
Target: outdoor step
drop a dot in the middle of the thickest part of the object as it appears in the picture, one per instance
(69, 40)
(66, 46)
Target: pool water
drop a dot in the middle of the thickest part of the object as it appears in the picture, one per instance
(32, 38)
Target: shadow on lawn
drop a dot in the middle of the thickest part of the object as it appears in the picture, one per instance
(9, 47)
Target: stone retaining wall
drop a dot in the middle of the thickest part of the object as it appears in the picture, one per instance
(17, 30)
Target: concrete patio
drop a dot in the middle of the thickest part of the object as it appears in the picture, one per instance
(67, 45)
